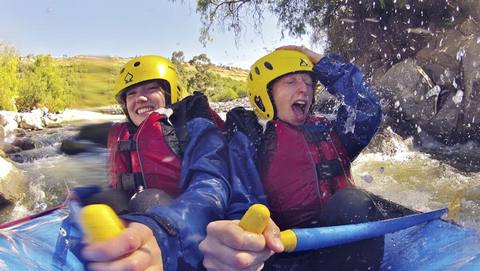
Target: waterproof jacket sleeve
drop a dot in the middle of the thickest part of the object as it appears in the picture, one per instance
(244, 134)
(359, 114)
(181, 225)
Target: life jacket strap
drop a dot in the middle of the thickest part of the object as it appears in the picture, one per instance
(127, 145)
(131, 181)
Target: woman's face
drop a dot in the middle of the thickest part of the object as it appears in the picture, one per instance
(143, 99)
(293, 96)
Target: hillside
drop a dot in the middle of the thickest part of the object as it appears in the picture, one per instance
(95, 77)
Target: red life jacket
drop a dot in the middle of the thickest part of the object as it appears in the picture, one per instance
(143, 158)
(304, 166)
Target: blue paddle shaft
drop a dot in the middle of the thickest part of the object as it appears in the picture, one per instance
(321, 237)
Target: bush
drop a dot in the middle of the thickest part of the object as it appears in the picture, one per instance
(224, 87)
(225, 95)
(9, 79)
(43, 84)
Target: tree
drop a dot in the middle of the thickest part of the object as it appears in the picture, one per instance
(373, 32)
(9, 80)
(202, 80)
(178, 59)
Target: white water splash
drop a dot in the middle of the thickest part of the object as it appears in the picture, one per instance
(458, 98)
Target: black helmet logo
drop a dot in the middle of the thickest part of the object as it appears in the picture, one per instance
(128, 78)
(303, 63)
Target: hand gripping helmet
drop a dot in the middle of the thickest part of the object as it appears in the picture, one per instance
(266, 70)
(145, 68)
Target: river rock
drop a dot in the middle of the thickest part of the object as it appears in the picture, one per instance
(220, 107)
(470, 7)
(8, 125)
(89, 139)
(9, 148)
(19, 132)
(73, 147)
(24, 143)
(52, 120)
(452, 60)
(438, 92)
(388, 142)
(12, 183)
(30, 121)
(97, 133)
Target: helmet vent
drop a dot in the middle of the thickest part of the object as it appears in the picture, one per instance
(303, 63)
(259, 103)
(123, 69)
(136, 64)
(268, 65)
(251, 77)
(257, 70)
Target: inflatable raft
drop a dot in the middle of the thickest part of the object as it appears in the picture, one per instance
(32, 244)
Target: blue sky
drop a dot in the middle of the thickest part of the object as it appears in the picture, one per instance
(127, 28)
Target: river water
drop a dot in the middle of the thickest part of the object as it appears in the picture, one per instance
(403, 175)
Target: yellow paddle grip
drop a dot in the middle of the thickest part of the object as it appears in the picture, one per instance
(255, 219)
(289, 240)
(100, 223)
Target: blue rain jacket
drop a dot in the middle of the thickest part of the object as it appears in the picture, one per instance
(180, 226)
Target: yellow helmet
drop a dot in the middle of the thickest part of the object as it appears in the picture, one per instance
(267, 69)
(145, 68)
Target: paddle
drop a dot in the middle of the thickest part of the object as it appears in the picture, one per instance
(295, 240)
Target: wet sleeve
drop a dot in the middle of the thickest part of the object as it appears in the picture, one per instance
(180, 226)
(359, 114)
(244, 134)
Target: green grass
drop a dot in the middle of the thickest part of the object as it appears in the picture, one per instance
(95, 78)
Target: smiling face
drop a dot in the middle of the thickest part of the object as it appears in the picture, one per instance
(143, 99)
(293, 96)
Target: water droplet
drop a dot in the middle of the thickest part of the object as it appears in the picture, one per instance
(458, 98)
(460, 54)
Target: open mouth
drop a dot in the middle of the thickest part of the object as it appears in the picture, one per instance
(299, 107)
(144, 109)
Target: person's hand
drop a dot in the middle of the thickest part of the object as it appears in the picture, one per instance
(314, 57)
(228, 247)
(134, 249)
